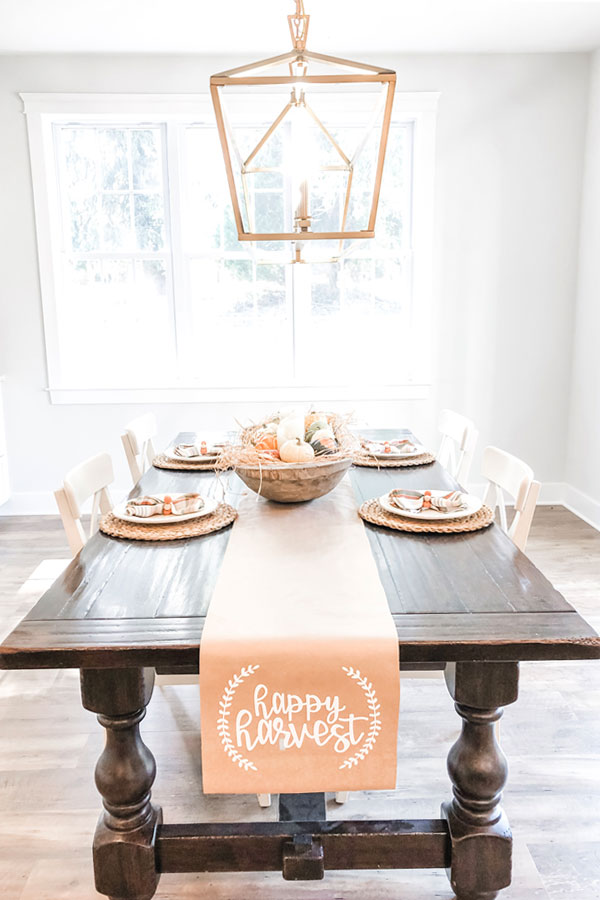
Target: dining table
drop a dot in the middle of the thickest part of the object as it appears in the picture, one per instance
(471, 604)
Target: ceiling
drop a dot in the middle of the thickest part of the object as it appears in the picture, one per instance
(257, 28)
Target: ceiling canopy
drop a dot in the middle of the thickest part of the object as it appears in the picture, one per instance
(381, 26)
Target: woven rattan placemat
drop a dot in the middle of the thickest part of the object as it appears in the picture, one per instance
(365, 459)
(223, 515)
(164, 462)
(372, 511)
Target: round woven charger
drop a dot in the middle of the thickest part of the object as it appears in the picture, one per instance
(164, 462)
(223, 515)
(372, 511)
(364, 459)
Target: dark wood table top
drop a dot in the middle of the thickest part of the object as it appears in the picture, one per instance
(453, 597)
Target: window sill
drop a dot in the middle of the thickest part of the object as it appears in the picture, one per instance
(351, 393)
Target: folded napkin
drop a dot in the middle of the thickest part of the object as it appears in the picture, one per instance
(143, 507)
(187, 450)
(417, 501)
(150, 505)
(393, 448)
(186, 503)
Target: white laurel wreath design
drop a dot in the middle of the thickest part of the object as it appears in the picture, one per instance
(223, 720)
(374, 715)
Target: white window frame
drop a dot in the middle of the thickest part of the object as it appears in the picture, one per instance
(44, 110)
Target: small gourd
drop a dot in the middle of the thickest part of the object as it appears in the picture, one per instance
(267, 443)
(324, 445)
(327, 431)
(315, 426)
(296, 451)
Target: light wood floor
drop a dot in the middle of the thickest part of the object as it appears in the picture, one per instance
(49, 745)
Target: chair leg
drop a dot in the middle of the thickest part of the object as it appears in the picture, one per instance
(341, 797)
(264, 800)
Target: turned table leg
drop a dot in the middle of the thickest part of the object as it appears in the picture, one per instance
(480, 835)
(124, 855)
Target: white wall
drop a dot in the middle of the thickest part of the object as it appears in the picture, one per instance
(510, 142)
(583, 454)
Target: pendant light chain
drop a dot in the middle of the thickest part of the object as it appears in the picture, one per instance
(298, 23)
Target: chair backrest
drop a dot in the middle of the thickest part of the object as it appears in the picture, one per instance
(89, 479)
(506, 472)
(138, 444)
(459, 439)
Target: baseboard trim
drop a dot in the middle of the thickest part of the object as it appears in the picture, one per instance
(30, 503)
(582, 505)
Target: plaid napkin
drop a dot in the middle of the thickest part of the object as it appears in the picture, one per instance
(185, 503)
(150, 505)
(143, 507)
(417, 501)
(187, 450)
(393, 448)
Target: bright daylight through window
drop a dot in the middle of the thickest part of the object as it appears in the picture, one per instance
(143, 264)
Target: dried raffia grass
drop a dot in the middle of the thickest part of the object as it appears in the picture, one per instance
(244, 453)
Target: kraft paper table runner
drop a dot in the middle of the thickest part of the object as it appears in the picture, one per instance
(299, 674)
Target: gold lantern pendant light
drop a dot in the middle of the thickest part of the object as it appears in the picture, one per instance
(310, 170)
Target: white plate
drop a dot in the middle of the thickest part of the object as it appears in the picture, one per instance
(418, 451)
(209, 507)
(205, 457)
(472, 505)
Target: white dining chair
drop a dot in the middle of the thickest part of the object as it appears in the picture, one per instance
(506, 472)
(90, 479)
(459, 439)
(138, 441)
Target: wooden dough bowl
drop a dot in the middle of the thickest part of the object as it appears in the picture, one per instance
(294, 482)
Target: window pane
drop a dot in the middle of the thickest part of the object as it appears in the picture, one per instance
(356, 314)
(146, 161)
(80, 170)
(268, 210)
(204, 198)
(114, 162)
(116, 214)
(241, 323)
(393, 216)
(111, 188)
(115, 323)
(84, 222)
(81, 159)
(149, 221)
(114, 308)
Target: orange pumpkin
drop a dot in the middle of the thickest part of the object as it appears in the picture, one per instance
(267, 442)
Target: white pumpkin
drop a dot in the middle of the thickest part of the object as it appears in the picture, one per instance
(290, 428)
(321, 433)
(296, 451)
